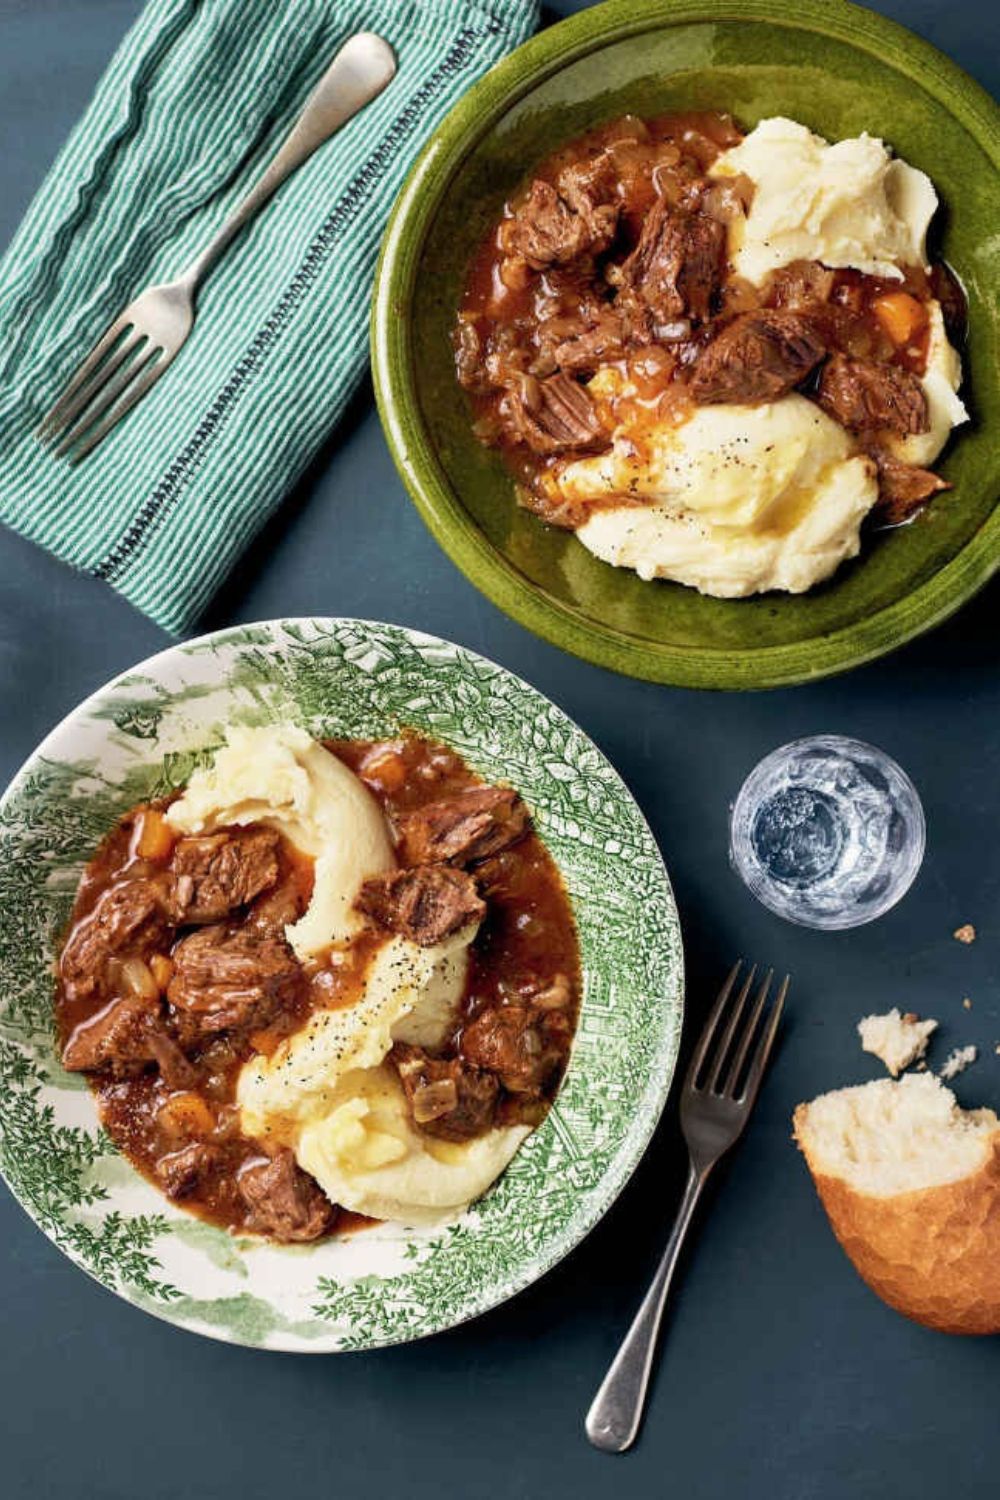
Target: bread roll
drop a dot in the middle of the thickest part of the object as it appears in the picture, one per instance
(911, 1186)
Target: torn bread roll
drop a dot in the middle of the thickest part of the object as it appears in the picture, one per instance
(911, 1186)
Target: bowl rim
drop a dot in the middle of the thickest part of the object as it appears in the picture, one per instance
(644, 1124)
(452, 526)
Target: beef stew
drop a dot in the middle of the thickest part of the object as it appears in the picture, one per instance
(614, 255)
(176, 971)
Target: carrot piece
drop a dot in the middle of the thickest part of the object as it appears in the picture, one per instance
(154, 836)
(901, 315)
(185, 1115)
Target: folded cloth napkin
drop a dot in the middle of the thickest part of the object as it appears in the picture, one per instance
(197, 98)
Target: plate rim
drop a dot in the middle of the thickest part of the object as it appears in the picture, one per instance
(439, 504)
(643, 1127)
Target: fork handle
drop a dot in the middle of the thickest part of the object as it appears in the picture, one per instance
(613, 1419)
(360, 71)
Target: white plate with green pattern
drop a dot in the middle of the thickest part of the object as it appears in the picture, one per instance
(141, 736)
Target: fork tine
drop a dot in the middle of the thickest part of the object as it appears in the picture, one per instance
(104, 400)
(763, 1049)
(54, 417)
(701, 1050)
(150, 375)
(730, 1031)
(64, 414)
(749, 1031)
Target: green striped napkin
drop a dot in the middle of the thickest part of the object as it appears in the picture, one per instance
(199, 95)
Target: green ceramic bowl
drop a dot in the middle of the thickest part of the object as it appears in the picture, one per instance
(839, 69)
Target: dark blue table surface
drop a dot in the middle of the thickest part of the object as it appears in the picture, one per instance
(782, 1376)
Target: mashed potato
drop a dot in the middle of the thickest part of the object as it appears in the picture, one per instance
(366, 1154)
(740, 499)
(278, 775)
(847, 204)
(301, 1076)
(326, 1091)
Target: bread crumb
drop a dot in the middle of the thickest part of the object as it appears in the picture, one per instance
(965, 934)
(898, 1040)
(967, 1003)
(957, 1061)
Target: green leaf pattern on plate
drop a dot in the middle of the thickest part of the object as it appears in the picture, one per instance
(142, 736)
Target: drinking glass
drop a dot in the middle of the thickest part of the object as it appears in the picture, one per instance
(827, 832)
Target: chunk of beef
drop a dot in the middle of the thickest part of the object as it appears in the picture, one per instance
(127, 919)
(213, 874)
(590, 189)
(279, 908)
(676, 267)
(180, 1172)
(591, 335)
(573, 313)
(903, 488)
(868, 397)
(224, 979)
(555, 226)
(544, 230)
(126, 1037)
(581, 349)
(801, 285)
(175, 1069)
(521, 1043)
(464, 828)
(555, 415)
(118, 1039)
(447, 1097)
(426, 904)
(757, 357)
(284, 1201)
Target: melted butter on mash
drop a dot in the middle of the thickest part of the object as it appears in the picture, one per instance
(846, 204)
(735, 500)
(366, 1152)
(326, 1091)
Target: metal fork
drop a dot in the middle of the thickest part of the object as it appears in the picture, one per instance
(718, 1095)
(142, 343)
